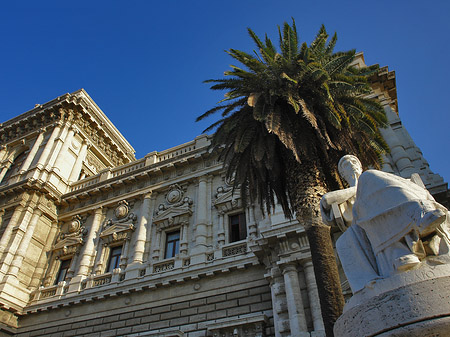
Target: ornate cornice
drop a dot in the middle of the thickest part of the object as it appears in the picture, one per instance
(74, 109)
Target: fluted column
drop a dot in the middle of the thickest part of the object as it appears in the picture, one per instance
(48, 146)
(62, 153)
(140, 235)
(88, 248)
(314, 303)
(24, 244)
(297, 319)
(27, 162)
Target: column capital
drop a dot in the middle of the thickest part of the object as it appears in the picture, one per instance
(149, 195)
(306, 262)
(288, 267)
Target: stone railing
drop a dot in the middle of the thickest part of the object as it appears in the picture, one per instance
(152, 158)
(164, 266)
(175, 152)
(130, 167)
(233, 249)
(85, 183)
(49, 292)
(101, 280)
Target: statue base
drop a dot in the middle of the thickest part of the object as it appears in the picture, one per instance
(412, 303)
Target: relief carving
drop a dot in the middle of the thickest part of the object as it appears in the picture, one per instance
(69, 242)
(120, 228)
(177, 210)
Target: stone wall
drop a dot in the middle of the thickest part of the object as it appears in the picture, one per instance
(199, 307)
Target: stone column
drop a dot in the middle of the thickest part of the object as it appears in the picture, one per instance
(3, 152)
(183, 239)
(221, 233)
(61, 155)
(157, 244)
(26, 164)
(5, 169)
(280, 319)
(79, 162)
(201, 228)
(140, 235)
(48, 146)
(88, 250)
(314, 303)
(24, 244)
(100, 259)
(7, 233)
(149, 237)
(297, 319)
(399, 156)
(124, 256)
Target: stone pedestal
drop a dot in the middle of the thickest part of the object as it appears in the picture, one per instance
(413, 303)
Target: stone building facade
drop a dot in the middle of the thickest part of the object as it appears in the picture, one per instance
(96, 243)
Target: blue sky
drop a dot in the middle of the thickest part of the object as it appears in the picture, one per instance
(143, 62)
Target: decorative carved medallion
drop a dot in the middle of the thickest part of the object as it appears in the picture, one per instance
(176, 212)
(175, 194)
(122, 210)
(119, 229)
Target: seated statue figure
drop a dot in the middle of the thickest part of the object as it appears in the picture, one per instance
(395, 223)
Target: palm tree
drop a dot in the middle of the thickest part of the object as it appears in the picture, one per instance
(287, 118)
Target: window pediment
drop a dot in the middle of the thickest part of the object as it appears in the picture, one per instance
(68, 246)
(226, 200)
(69, 243)
(177, 210)
(117, 232)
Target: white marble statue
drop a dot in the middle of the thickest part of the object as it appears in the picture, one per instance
(395, 223)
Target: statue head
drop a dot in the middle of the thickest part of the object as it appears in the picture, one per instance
(350, 169)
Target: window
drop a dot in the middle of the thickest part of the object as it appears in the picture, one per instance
(172, 244)
(14, 168)
(237, 227)
(114, 258)
(63, 269)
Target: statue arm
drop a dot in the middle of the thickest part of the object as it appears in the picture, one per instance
(337, 197)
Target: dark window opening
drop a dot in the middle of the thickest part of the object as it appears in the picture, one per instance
(63, 269)
(114, 258)
(238, 227)
(172, 244)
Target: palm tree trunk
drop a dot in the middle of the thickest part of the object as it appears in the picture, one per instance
(306, 187)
